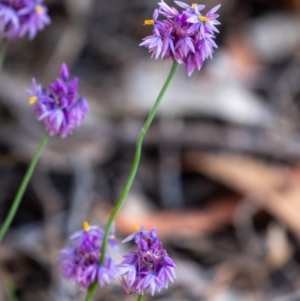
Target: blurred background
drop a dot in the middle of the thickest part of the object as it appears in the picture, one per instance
(220, 171)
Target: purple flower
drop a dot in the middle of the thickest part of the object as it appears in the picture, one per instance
(148, 267)
(154, 43)
(166, 10)
(186, 44)
(60, 106)
(186, 37)
(81, 260)
(64, 72)
(206, 23)
(89, 236)
(9, 21)
(21, 17)
(190, 8)
(106, 273)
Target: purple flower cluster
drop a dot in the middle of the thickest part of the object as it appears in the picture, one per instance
(19, 17)
(59, 106)
(148, 266)
(186, 37)
(81, 260)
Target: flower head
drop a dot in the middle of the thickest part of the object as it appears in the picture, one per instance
(148, 267)
(59, 106)
(81, 260)
(21, 17)
(185, 37)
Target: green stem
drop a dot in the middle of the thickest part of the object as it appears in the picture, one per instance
(91, 291)
(134, 167)
(2, 54)
(140, 298)
(23, 186)
(10, 290)
(136, 161)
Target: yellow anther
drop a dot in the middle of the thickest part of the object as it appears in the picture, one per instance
(112, 236)
(136, 227)
(32, 100)
(148, 22)
(194, 5)
(86, 226)
(203, 19)
(39, 9)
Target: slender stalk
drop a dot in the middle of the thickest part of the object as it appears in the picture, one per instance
(134, 167)
(136, 161)
(10, 290)
(140, 298)
(23, 186)
(91, 291)
(2, 54)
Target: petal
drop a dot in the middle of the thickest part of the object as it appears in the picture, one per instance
(193, 19)
(214, 9)
(182, 4)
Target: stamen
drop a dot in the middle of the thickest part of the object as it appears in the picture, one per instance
(136, 227)
(39, 9)
(112, 236)
(86, 226)
(203, 19)
(194, 5)
(148, 22)
(32, 100)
